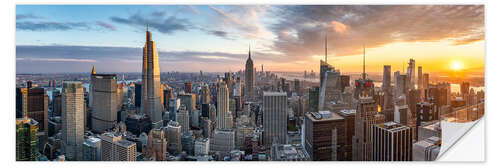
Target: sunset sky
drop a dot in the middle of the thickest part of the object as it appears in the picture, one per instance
(70, 38)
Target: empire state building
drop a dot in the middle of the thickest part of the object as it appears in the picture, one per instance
(151, 89)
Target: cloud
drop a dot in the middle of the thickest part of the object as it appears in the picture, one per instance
(62, 26)
(106, 25)
(158, 13)
(300, 30)
(55, 60)
(167, 26)
(27, 16)
(339, 27)
(51, 26)
(242, 20)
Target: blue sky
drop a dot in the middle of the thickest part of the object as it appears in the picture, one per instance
(70, 38)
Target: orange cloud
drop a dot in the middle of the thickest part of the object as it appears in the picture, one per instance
(339, 27)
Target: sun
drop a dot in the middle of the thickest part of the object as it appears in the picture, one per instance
(457, 65)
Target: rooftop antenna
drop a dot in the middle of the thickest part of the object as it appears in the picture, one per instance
(364, 52)
(326, 46)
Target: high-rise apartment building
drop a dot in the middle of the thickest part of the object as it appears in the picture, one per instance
(72, 120)
(151, 86)
(115, 148)
(275, 117)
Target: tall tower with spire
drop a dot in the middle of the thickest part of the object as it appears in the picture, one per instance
(364, 86)
(249, 74)
(323, 65)
(151, 86)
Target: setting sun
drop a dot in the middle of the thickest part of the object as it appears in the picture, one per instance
(457, 65)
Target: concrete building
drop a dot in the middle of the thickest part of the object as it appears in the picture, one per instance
(222, 141)
(288, 152)
(114, 148)
(391, 142)
(92, 150)
(173, 134)
(72, 118)
(275, 117)
(201, 146)
(156, 148)
(427, 149)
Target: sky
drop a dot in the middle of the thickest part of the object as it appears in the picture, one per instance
(216, 38)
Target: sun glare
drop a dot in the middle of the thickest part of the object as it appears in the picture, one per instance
(457, 65)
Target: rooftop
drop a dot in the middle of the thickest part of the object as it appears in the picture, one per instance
(392, 126)
(323, 116)
(274, 93)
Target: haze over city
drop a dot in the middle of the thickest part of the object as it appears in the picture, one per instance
(70, 38)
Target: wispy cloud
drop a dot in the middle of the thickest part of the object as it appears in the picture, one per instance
(51, 26)
(167, 26)
(106, 25)
(27, 16)
(56, 60)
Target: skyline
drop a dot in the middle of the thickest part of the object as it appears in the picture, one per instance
(283, 38)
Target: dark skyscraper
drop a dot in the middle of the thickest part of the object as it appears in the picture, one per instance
(104, 95)
(151, 88)
(138, 94)
(249, 75)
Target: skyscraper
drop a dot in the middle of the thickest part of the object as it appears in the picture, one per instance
(325, 136)
(182, 116)
(174, 133)
(391, 142)
(364, 86)
(151, 86)
(224, 116)
(366, 116)
(105, 99)
(35, 105)
(420, 83)
(410, 73)
(26, 139)
(157, 145)
(275, 118)
(72, 120)
(386, 87)
(249, 75)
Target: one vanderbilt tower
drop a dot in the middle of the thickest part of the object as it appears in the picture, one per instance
(151, 89)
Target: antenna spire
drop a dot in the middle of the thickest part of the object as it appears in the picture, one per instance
(249, 55)
(326, 46)
(364, 52)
